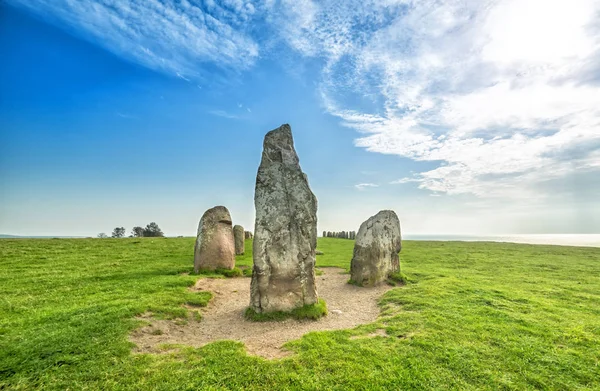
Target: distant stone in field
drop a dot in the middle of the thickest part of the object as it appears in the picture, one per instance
(238, 239)
(318, 252)
(285, 236)
(214, 242)
(247, 235)
(376, 249)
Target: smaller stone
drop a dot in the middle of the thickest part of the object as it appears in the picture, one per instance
(376, 249)
(337, 312)
(214, 247)
(238, 239)
(317, 252)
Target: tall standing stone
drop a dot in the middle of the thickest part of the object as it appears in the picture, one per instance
(285, 233)
(376, 249)
(238, 239)
(248, 235)
(214, 242)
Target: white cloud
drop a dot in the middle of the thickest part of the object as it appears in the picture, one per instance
(493, 90)
(363, 186)
(223, 113)
(176, 37)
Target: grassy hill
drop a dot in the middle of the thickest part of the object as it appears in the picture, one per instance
(480, 316)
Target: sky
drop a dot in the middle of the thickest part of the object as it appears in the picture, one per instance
(464, 117)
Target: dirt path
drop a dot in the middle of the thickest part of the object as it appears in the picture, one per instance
(348, 305)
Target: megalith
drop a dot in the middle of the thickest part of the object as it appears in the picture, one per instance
(248, 235)
(376, 249)
(285, 230)
(214, 242)
(238, 239)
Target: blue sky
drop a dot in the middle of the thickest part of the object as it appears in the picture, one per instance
(121, 113)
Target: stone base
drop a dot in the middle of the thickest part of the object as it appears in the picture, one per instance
(309, 311)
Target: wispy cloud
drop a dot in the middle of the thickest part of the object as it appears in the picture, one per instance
(223, 113)
(125, 115)
(363, 186)
(176, 37)
(494, 105)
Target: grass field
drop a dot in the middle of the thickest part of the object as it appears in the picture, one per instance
(479, 316)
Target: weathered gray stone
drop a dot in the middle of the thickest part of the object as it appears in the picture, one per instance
(285, 232)
(247, 235)
(214, 242)
(376, 249)
(238, 239)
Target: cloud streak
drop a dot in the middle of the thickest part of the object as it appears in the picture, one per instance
(175, 37)
(364, 186)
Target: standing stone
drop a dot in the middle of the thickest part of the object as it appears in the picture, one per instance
(376, 249)
(238, 239)
(247, 235)
(285, 236)
(324, 234)
(214, 242)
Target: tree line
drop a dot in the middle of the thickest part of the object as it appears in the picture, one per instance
(151, 230)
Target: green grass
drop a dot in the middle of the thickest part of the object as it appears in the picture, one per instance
(229, 273)
(475, 316)
(308, 311)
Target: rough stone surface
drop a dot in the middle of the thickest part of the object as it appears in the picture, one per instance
(285, 230)
(238, 239)
(214, 242)
(376, 249)
(247, 235)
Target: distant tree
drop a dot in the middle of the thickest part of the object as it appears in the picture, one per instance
(118, 232)
(102, 235)
(152, 230)
(137, 232)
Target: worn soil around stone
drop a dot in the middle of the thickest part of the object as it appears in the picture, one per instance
(223, 319)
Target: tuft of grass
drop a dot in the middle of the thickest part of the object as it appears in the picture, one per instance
(398, 278)
(235, 272)
(229, 273)
(318, 272)
(308, 311)
(198, 299)
(197, 316)
(157, 332)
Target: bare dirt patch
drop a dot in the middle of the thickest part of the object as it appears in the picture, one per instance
(349, 306)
